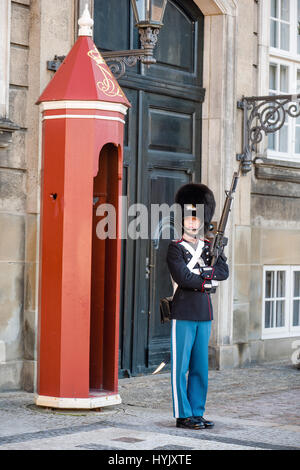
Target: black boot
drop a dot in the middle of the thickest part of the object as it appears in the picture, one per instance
(201, 420)
(189, 423)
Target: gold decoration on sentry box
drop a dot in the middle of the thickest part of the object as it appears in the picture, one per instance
(108, 86)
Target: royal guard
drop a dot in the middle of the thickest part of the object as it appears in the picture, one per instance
(189, 263)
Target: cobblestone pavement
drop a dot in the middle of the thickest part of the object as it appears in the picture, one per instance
(257, 407)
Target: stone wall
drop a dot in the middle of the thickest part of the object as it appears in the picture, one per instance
(247, 76)
(275, 241)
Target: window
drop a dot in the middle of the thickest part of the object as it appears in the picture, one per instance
(284, 38)
(278, 85)
(281, 301)
(284, 74)
(280, 26)
(296, 297)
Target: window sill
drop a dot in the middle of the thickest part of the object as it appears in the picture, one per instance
(268, 168)
(280, 335)
(283, 54)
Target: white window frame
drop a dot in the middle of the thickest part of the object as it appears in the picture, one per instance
(288, 330)
(5, 17)
(294, 329)
(290, 155)
(291, 59)
(292, 53)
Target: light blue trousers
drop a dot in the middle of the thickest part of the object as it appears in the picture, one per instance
(189, 353)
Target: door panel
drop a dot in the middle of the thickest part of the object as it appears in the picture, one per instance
(176, 50)
(170, 131)
(179, 48)
(170, 127)
(113, 25)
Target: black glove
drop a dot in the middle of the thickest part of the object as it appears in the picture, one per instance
(218, 272)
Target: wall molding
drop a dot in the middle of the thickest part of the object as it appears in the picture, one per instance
(277, 170)
(217, 7)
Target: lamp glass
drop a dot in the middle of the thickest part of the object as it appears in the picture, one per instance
(157, 10)
(149, 11)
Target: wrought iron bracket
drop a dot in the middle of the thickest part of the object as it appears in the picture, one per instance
(116, 61)
(119, 60)
(263, 115)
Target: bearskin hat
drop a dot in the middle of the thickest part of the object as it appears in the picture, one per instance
(197, 193)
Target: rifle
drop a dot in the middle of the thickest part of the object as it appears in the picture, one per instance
(220, 241)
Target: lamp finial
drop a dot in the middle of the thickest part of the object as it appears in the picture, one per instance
(85, 23)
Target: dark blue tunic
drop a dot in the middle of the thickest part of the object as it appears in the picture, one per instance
(190, 302)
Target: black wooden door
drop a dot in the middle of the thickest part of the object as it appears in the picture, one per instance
(162, 151)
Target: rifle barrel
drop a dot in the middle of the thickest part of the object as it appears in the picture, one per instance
(224, 216)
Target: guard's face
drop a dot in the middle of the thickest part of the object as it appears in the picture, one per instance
(191, 225)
